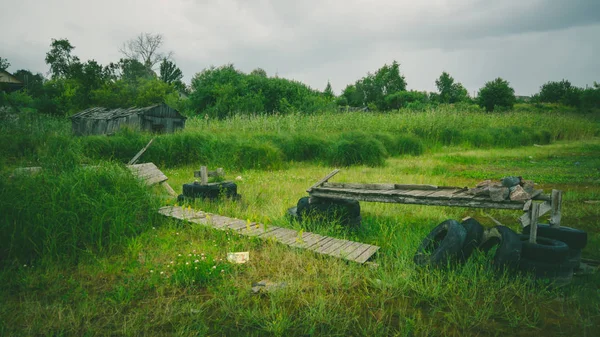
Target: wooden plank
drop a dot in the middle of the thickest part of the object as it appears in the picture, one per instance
(366, 255)
(401, 199)
(156, 180)
(421, 193)
(359, 186)
(140, 153)
(337, 245)
(356, 253)
(556, 208)
(217, 173)
(317, 247)
(306, 240)
(320, 182)
(345, 251)
(203, 175)
(415, 187)
(442, 194)
(168, 188)
(535, 211)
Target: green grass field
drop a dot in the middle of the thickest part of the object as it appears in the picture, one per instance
(84, 254)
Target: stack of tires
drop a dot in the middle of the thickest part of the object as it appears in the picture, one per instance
(346, 212)
(553, 257)
(211, 191)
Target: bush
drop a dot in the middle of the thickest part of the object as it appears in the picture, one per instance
(357, 149)
(496, 93)
(59, 216)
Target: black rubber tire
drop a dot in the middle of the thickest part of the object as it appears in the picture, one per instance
(442, 245)
(575, 257)
(544, 250)
(347, 212)
(574, 238)
(547, 270)
(292, 213)
(180, 198)
(508, 252)
(474, 236)
(211, 191)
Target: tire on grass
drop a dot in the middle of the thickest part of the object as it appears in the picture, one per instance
(325, 209)
(211, 191)
(574, 238)
(508, 252)
(558, 274)
(473, 239)
(544, 250)
(442, 245)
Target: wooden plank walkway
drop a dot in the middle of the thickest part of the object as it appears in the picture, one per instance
(344, 249)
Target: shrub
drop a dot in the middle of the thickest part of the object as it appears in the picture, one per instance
(357, 149)
(60, 215)
(496, 93)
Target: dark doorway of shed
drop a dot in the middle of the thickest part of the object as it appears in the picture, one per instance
(158, 128)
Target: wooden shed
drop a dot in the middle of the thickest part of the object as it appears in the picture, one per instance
(102, 121)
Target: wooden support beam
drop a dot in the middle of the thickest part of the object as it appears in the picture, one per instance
(320, 182)
(168, 188)
(535, 212)
(556, 208)
(139, 154)
(203, 175)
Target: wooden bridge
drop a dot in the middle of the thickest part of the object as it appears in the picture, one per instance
(344, 249)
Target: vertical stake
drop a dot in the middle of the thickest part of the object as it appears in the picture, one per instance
(203, 175)
(535, 214)
(556, 208)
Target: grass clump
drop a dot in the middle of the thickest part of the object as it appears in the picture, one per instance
(356, 148)
(60, 215)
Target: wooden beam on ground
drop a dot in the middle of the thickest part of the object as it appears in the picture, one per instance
(348, 250)
(139, 154)
(325, 179)
(168, 188)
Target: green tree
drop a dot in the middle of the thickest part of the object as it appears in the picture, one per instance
(59, 58)
(4, 64)
(169, 73)
(133, 70)
(259, 72)
(449, 91)
(328, 92)
(373, 88)
(496, 93)
(560, 92)
(34, 83)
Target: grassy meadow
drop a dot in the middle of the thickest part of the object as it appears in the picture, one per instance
(84, 253)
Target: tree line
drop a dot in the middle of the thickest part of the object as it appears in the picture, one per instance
(146, 75)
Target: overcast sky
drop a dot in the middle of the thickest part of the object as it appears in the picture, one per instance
(527, 42)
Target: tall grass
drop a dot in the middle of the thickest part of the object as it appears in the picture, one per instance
(57, 215)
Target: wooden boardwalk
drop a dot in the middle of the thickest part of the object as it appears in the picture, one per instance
(344, 249)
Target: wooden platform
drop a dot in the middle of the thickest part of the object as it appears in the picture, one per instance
(151, 175)
(433, 195)
(344, 249)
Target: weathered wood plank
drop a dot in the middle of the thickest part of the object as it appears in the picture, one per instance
(415, 187)
(320, 182)
(140, 153)
(402, 199)
(217, 173)
(556, 205)
(358, 251)
(442, 194)
(359, 186)
(535, 212)
(168, 188)
(366, 255)
(353, 251)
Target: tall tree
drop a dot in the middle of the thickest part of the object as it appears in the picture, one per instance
(450, 92)
(328, 92)
(496, 93)
(145, 49)
(132, 70)
(60, 59)
(169, 73)
(259, 72)
(4, 64)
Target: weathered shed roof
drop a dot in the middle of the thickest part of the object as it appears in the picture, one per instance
(106, 114)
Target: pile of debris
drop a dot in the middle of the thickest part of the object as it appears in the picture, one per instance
(508, 188)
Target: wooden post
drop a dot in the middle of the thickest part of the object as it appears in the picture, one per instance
(139, 154)
(535, 212)
(203, 175)
(556, 208)
(324, 180)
